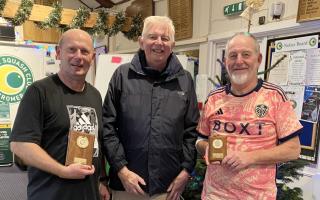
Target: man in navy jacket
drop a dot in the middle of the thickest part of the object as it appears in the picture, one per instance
(150, 116)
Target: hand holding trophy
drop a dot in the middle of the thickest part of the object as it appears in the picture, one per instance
(80, 148)
(217, 148)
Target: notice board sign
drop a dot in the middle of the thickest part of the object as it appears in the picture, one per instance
(298, 75)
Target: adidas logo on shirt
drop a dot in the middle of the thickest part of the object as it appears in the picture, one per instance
(219, 112)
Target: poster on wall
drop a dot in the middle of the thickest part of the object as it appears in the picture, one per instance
(309, 120)
(308, 141)
(18, 71)
(293, 93)
(279, 74)
(5, 153)
(20, 66)
(313, 63)
(311, 103)
(51, 64)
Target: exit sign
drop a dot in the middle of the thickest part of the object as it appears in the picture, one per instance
(234, 8)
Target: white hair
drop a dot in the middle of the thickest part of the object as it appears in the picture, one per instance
(256, 43)
(163, 20)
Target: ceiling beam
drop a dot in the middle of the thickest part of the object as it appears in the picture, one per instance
(105, 3)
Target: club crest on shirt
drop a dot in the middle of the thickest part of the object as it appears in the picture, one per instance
(261, 110)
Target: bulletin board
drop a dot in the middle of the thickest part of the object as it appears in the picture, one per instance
(299, 76)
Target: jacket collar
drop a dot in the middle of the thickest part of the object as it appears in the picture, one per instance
(173, 68)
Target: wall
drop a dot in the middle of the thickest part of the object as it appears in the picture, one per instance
(222, 27)
(227, 26)
(220, 23)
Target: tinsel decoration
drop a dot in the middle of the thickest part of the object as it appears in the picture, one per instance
(22, 14)
(100, 26)
(117, 25)
(135, 28)
(2, 5)
(79, 20)
(53, 19)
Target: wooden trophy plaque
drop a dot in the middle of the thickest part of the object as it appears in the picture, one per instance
(80, 148)
(217, 148)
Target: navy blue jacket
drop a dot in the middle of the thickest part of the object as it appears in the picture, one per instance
(150, 121)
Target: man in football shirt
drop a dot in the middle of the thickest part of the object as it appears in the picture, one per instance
(259, 123)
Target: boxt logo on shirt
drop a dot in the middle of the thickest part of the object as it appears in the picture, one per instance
(15, 77)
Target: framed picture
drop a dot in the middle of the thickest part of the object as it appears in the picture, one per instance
(100, 50)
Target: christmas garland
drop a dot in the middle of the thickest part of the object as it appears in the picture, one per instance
(2, 5)
(22, 14)
(135, 28)
(100, 26)
(82, 14)
(53, 19)
(117, 25)
(81, 17)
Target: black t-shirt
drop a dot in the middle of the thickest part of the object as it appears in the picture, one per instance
(46, 113)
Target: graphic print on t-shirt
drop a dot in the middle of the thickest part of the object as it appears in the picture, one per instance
(84, 119)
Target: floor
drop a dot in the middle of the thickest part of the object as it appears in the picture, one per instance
(13, 183)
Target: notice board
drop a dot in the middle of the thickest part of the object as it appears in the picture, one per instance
(299, 76)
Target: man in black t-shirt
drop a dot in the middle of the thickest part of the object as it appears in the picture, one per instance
(50, 108)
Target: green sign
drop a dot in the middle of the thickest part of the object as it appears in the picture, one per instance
(5, 153)
(234, 8)
(15, 77)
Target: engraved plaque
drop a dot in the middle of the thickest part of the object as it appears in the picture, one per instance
(217, 148)
(181, 13)
(308, 10)
(80, 148)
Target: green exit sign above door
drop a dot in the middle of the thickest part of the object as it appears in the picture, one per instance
(233, 9)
